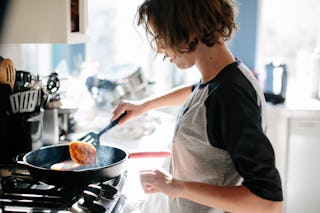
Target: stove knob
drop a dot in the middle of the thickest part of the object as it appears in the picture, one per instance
(94, 188)
(88, 198)
(97, 208)
(9, 183)
(108, 191)
(89, 202)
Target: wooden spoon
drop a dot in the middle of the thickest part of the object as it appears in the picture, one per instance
(7, 73)
(82, 153)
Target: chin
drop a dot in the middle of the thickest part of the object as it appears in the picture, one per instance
(184, 66)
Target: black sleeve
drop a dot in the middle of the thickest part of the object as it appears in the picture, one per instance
(234, 124)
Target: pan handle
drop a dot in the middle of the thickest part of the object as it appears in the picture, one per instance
(160, 154)
(19, 159)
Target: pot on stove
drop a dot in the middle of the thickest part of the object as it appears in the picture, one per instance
(131, 79)
(126, 81)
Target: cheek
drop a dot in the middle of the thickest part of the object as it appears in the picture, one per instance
(160, 47)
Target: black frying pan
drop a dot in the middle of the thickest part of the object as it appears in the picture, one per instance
(110, 163)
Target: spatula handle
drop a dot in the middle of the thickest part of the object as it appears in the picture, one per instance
(112, 124)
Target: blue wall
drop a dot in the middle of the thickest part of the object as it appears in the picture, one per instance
(73, 54)
(244, 42)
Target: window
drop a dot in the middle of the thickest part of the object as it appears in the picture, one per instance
(287, 29)
(114, 38)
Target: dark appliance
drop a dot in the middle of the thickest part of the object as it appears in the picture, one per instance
(21, 116)
(20, 134)
(19, 192)
(275, 85)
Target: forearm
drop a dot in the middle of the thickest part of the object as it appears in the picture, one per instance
(235, 199)
(176, 96)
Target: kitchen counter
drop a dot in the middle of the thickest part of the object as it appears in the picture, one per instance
(298, 108)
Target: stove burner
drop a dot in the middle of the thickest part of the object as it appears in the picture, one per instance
(19, 192)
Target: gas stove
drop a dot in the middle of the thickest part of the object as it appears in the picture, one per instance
(19, 192)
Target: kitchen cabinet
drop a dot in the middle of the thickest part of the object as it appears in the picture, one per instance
(303, 166)
(277, 134)
(294, 133)
(49, 21)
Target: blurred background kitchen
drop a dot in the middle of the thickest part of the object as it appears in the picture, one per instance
(80, 58)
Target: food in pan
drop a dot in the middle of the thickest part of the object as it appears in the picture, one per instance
(82, 153)
(65, 165)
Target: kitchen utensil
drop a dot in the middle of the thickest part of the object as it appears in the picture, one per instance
(111, 163)
(53, 83)
(24, 101)
(23, 80)
(14, 102)
(94, 138)
(28, 100)
(7, 73)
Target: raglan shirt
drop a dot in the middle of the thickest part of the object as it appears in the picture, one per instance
(220, 138)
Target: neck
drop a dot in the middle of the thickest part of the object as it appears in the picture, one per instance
(211, 60)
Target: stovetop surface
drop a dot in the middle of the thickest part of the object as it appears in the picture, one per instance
(19, 192)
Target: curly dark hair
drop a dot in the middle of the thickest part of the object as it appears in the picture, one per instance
(185, 22)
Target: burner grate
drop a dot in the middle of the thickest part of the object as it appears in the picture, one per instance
(19, 192)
